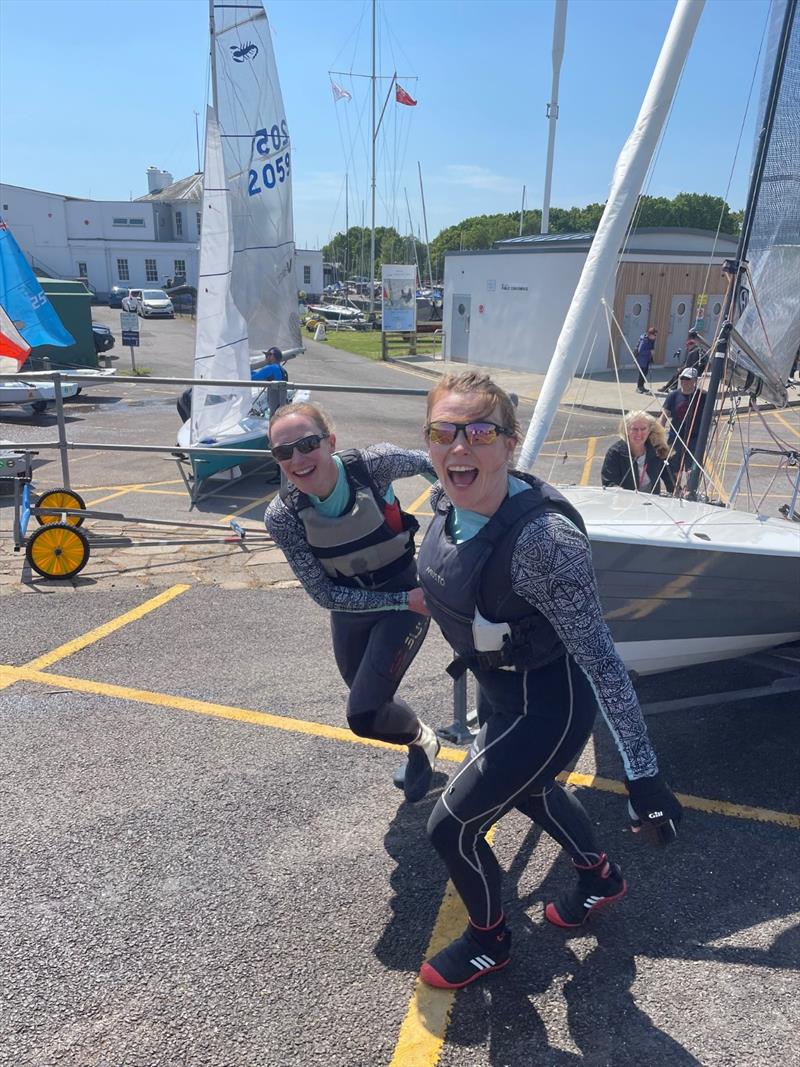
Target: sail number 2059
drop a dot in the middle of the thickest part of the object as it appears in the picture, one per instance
(273, 172)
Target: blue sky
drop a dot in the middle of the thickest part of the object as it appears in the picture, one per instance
(92, 92)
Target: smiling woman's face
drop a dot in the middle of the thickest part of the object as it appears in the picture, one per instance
(474, 476)
(313, 472)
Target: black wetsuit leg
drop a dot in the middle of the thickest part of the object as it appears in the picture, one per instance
(537, 722)
(373, 651)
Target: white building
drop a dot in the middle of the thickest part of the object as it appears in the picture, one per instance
(139, 242)
(505, 306)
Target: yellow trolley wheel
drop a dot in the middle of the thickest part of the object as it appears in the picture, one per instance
(57, 550)
(60, 498)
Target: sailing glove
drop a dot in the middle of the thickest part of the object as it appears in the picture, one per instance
(654, 809)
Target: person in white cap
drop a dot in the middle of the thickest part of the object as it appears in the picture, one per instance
(682, 413)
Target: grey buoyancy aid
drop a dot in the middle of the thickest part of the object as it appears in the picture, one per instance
(367, 546)
(468, 586)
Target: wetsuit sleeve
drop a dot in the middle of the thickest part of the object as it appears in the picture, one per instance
(387, 462)
(286, 530)
(552, 569)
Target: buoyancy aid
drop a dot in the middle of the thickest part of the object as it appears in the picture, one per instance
(468, 587)
(367, 546)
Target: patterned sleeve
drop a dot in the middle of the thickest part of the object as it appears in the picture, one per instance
(386, 462)
(286, 530)
(552, 569)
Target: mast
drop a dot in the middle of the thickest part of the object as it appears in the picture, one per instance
(413, 238)
(211, 31)
(559, 32)
(374, 135)
(346, 231)
(522, 211)
(734, 269)
(425, 222)
(598, 270)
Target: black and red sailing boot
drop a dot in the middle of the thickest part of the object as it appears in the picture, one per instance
(476, 953)
(599, 884)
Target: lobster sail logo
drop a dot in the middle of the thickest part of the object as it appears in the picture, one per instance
(241, 52)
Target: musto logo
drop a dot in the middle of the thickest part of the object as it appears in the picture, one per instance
(241, 52)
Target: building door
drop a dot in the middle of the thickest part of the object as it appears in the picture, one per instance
(459, 328)
(708, 315)
(680, 322)
(634, 324)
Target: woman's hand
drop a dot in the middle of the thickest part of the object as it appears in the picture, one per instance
(416, 602)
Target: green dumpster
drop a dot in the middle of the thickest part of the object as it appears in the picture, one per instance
(73, 304)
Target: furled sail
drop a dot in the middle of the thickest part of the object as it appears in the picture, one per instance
(258, 164)
(770, 322)
(221, 345)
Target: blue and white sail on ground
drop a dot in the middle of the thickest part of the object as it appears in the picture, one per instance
(258, 163)
(771, 321)
(28, 319)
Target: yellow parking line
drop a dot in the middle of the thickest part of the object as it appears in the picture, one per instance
(423, 1031)
(107, 628)
(783, 422)
(591, 445)
(423, 496)
(31, 673)
(113, 496)
(249, 507)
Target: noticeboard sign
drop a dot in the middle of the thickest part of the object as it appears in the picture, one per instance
(130, 338)
(399, 285)
(129, 324)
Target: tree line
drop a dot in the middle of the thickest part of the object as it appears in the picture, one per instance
(686, 210)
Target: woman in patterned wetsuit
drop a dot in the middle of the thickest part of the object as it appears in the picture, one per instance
(352, 548)
(507, 574)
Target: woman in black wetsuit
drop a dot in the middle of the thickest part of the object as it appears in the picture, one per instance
(507, 574)
(352, 548)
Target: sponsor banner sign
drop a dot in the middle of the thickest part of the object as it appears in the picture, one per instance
(399, 284)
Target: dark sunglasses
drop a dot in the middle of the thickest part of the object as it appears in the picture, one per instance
(304, 446)
(476, 433)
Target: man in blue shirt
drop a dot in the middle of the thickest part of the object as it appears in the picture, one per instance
(272, 371)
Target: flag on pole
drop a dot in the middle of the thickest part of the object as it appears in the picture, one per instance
(339, 93)
(402, 97)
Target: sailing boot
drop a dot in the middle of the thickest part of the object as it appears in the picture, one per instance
(422, 754)
(476, 953)
(599, 884)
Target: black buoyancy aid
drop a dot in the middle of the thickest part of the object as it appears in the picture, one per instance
(367, 546)
(469, 584)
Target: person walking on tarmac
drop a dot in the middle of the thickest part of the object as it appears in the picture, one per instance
(351, 545)
(507, 574)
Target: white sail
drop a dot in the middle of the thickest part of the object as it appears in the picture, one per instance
(258, 164)
(221, 345)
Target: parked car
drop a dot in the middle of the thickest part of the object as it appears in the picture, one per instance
(103, 337)
(131, 301)
(153, 302)
(117, 295)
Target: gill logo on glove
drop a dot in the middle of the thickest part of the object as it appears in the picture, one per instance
(656, 815)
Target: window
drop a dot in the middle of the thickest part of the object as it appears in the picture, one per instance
(136, 222)
(122, 270)
(198, 221)
(180, 267)
(127, 222)
(306, 275)
(83, 271)
(119, 222)
(150, 271)
(178, 224)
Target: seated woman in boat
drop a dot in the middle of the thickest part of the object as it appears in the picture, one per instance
(505, 546)
(351, 545)
(639, 459)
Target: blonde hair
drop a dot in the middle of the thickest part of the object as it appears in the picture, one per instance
(656, 433)
(314, 412)
(476, 383)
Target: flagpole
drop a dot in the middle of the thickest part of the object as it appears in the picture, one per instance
(372, 236)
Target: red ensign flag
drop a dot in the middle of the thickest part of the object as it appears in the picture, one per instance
(402, 97)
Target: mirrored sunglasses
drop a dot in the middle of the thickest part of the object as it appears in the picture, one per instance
(304, 445)
(476, 433)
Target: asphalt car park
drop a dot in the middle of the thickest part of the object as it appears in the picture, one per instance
(203, 866)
